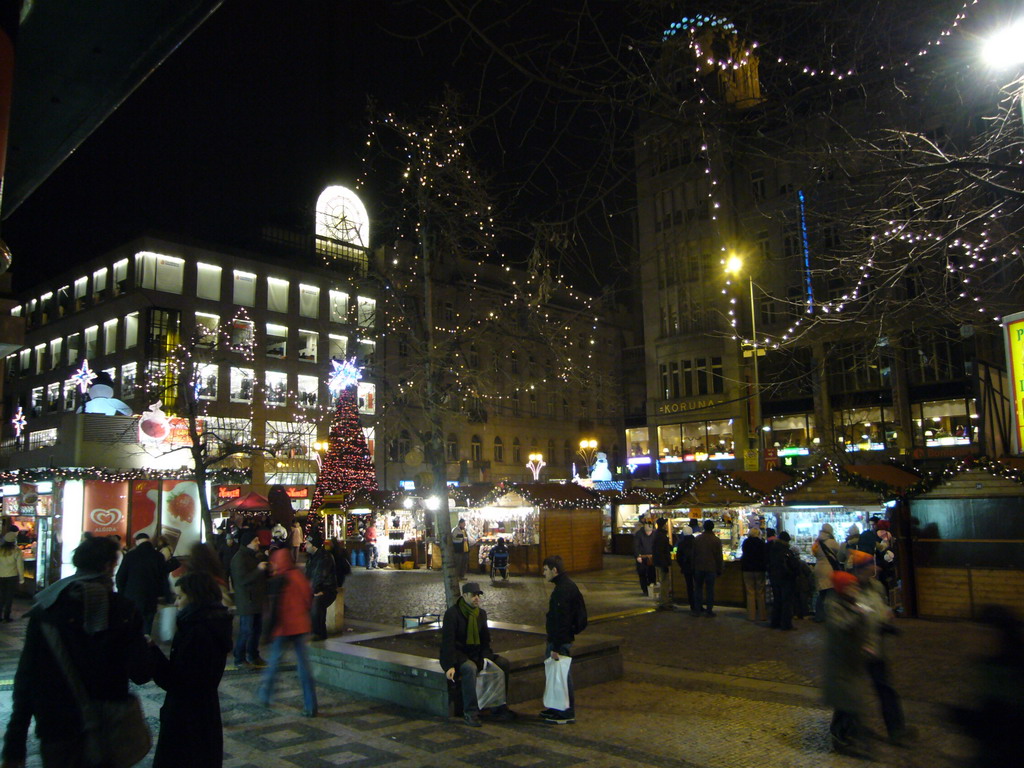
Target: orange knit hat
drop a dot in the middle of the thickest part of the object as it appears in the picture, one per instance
(859, 559)
(842, 581)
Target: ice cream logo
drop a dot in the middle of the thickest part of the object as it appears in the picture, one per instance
(105, 518)
(154, 426)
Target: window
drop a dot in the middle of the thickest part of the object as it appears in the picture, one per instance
(694, 441)
(367, 311)
(128, 381)
(309, 387)
(337, 346)
(276, 384)
(237, 431)
(517, 451)
(551, 450)
(55, 350)
(366, 396)
(99, 280)
(451, 447)
(499, 451)
(36, 406)
(244, 293)
(513, 362)
(449, 312)
(156, 271)
(242, 333)
(206, 329)
(757, 185)
(53, 402)
(206, 381)
(533, 404)
(277, 340)
(567, 452)
(208, 281)
(289, 438)
(120, 276)
(110, 337)
(70, 395)
(404, 444)
(277, 294)
(365, 350)
(700, 364)
(516, 403)
(131, 330)
(476, 451)
(309, 301)
(339, 307)
(717, 378)
(672, 391)
(81, 288)
(74, 350)
(91, 335)
(566, 411)
(473, 359)
(639, 443)
(242, 380)
(308, 343)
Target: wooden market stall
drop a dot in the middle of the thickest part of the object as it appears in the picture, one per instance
(967, 538)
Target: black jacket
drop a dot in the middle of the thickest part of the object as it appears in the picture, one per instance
(454, 650)
(142, 577)
(755, 555)
(566, 600)
(321, 573)
(104, 660)
(190, 723)
(642, 543)
(783, 564)
(342, 567)
(684, 552)
(662, 549)
(249, 581)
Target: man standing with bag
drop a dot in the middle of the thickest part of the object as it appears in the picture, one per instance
(566, 618)
(465, 645)
(323, 578)
(82, 644)
(249, 577)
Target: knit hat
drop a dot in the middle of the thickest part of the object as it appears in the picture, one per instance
(842, 581)
(827, 528)
(853, 530)
(859, 559)
(141, 535)
(247, 535)
(883, 525)
(686, 530)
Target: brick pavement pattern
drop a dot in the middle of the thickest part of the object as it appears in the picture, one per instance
(697, 692)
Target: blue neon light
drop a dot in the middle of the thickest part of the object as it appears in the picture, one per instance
(807, 253)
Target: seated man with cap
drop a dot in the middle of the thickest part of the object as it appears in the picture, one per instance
(465, 643)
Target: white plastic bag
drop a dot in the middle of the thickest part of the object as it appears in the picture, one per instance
(166, 623)
(490, 686)
(556, 683)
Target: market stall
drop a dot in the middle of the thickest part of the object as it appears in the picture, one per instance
(628, 509)
(28, 509)
(400, 522)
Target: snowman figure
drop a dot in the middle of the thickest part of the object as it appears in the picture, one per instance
(100, 398)
(600, 471)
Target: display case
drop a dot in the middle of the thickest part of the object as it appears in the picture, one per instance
(804, 523)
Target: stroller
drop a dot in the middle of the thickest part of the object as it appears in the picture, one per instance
(499, 561)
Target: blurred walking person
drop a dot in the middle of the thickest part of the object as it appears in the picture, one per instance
(12, 572)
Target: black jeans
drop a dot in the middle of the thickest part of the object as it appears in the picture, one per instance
(564, 650)
(783, 591)
(892, 709)
(647, 576)
(318, 614)
(466, 676)
(7, 586)
(690, 594)
(705, 583)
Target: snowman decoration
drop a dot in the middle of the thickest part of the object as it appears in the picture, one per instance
(100, 397)
(600, 471)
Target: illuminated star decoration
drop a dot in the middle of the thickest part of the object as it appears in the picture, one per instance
(19, 421)
(344, 373)
(84, 376)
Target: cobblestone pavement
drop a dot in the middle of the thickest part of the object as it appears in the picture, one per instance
(697, 692)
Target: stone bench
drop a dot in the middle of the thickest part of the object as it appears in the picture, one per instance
(417, 682)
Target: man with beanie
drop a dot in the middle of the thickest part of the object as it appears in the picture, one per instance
(684, 557)
(707, 566)
(465, 643)
(249, 577)
(323, 577)
(142, 578)
(662, 564)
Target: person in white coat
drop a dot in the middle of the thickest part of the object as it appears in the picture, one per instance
(826, 549)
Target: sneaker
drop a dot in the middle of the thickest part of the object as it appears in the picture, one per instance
(471, 719)
(258, 663)
(560, 718)
(545, 713)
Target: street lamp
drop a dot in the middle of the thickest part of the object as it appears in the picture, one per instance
(535, 465)
(588, 452)
(734, 267)
(319, 447)
(1006, 47)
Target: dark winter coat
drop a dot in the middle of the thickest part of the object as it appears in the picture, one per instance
(227, 554)
(454, 650)
(321, 572)
(707, 553)
(844, 684)
(249, 581)
(642, 543)
(565, 603)
(342, 567)
(142, 577)
(662, 549)
(190, 723)
(104, 660)
(783, 564)
(684, 552)
(755, 555)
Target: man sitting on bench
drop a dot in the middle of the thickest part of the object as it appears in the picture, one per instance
(465, 643)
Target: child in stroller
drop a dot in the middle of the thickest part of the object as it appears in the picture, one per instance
(499, 560)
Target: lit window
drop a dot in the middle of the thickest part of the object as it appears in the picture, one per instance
(131, 330)
(53, 400)
(208, 281)
(157, 271)
(81, 287)
(308, 342)
(74, 350)
(366, 394)
(242, 380)
(242, 332)
(277, 294)
(276, 384)
(277, 340)
(367, 311)
(206, 381)
(337, 346)
(55, 350)
(244, 289)
(309, 387)
(99, 280)
(91, 335)
(110, 337)
(309, 300)
(206, 329)
(128, 381)
(339, 307)
(120, 276)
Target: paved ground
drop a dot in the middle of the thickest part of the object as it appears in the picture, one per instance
(697, 692)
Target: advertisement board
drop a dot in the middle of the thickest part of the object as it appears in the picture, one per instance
(105, 509)
(1013, 337)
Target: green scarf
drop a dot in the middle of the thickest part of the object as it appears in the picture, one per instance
(472, 615)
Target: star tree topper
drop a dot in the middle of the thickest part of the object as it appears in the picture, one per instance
(344, 373)
(19, 421)
(84, 376)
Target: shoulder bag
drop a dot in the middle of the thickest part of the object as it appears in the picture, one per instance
(116, 733)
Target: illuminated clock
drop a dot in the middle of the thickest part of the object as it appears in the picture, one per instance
(341, 216)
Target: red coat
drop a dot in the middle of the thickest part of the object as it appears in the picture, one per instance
(294, 597)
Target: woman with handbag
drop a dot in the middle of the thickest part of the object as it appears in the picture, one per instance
(190, 722)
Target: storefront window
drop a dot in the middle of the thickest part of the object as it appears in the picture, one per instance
(860, 429)
(639, 444)
(945, 422)
(697, 441)
(791, 435)
(276, 387)
(308, 388)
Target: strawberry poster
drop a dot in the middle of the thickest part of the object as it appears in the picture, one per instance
(145, 497)
(180, 518)
(106, 508)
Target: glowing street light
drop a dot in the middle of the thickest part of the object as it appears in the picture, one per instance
(588, 452)
(734, 267)
(536, 464)
(1005, 48)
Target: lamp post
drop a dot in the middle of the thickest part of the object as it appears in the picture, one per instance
(734, 267)
(588, 452)
(319, 447)
(1005, 50)
(535, 465)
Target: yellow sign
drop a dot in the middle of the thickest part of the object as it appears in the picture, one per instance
(750, 459)
(688, 405)
(1014, 336)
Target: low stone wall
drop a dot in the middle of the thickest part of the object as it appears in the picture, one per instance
(419, 683)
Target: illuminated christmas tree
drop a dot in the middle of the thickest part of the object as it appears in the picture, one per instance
(347, 466)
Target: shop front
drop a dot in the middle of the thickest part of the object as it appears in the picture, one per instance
(28, 510)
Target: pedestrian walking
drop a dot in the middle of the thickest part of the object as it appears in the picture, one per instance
(78, 626)
(753, 565)
(844, 680)
(297, 539)
(322, 575)
(12, 572)
(826, 552)
(783, 571)
(142, 578)
(684, 558)
(662, 559)
(566, 618)
(643, 551)
(460, 548)
(190, 720)
(291, 601)
(370, 537)
(465, 645)
(249, 576)
(707, 566)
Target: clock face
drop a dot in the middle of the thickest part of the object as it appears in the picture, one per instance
(341, 216)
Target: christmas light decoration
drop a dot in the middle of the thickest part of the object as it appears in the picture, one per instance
(83, 377)
(347, 467)
(344, 374)
(19, 421)
(216, 476)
